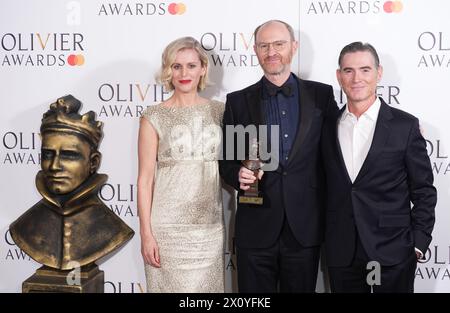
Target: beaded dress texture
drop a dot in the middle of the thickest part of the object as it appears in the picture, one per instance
(187, 213)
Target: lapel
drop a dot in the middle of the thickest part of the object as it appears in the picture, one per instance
(306, 112)
(338, 145)
(380, 136)
(254, 103)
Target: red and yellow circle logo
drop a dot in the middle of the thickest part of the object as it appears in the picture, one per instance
(393, 6)
(177, 8)
(77, 59)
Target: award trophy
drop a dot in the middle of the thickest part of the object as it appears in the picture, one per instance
(253, 163)
(70, 228)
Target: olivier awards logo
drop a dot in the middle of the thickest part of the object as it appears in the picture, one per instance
(434, 264)
(438, 156)
(141, 9)
(41, 49)
(353, 7)
(128, 99)
(13, 252)
(434, 49)
(120, 198)
(124, 287)
(20, 148)
(230, 49)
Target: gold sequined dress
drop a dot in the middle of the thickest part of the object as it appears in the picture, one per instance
(187, 214)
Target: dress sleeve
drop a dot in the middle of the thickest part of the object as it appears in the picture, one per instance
(151, 115)
(218, 108)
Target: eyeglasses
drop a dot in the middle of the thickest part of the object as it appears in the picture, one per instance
(277, 45)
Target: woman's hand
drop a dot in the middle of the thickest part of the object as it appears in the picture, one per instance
(150, 251)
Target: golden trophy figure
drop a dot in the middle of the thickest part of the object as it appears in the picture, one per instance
(252, 195)
(70, 228)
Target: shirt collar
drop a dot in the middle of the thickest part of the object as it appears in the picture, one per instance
(371, 113)
(268, 84)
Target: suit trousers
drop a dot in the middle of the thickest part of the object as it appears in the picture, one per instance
(286, 266)
(356, 278)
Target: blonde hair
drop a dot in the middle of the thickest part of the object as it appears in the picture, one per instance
(164, 75)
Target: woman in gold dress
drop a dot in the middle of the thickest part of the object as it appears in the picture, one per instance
(179, 192)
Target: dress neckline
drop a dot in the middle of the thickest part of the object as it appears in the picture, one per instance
(185, 107)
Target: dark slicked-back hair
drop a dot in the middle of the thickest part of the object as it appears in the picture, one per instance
(358, 46)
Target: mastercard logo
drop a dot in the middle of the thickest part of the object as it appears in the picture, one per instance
(393, 6)
(77, 59)
(177, 8)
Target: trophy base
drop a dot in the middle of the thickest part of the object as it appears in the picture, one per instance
(47, 279)
(250, 200)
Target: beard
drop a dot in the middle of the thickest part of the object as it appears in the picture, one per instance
(274, 70)
(282, 66)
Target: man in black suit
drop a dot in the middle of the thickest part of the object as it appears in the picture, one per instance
(278, 242)
(376, 165)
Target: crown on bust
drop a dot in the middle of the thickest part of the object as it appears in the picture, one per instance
(63, 116)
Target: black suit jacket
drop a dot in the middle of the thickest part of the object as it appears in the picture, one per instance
(295, 190)
(377, 205)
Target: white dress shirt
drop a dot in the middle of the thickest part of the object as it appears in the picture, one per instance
(355, 137)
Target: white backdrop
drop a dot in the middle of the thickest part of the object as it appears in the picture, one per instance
(105, 53)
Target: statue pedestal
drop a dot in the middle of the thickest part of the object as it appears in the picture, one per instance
(87, 279)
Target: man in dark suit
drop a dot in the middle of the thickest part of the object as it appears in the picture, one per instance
(278, 242)
(376, 165)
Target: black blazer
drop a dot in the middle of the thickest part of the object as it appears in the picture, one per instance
(396, 172)
(294, 191)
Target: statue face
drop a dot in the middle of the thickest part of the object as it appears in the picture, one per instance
(66, 161)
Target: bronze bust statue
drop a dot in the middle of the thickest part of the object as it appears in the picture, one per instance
(70, 225)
